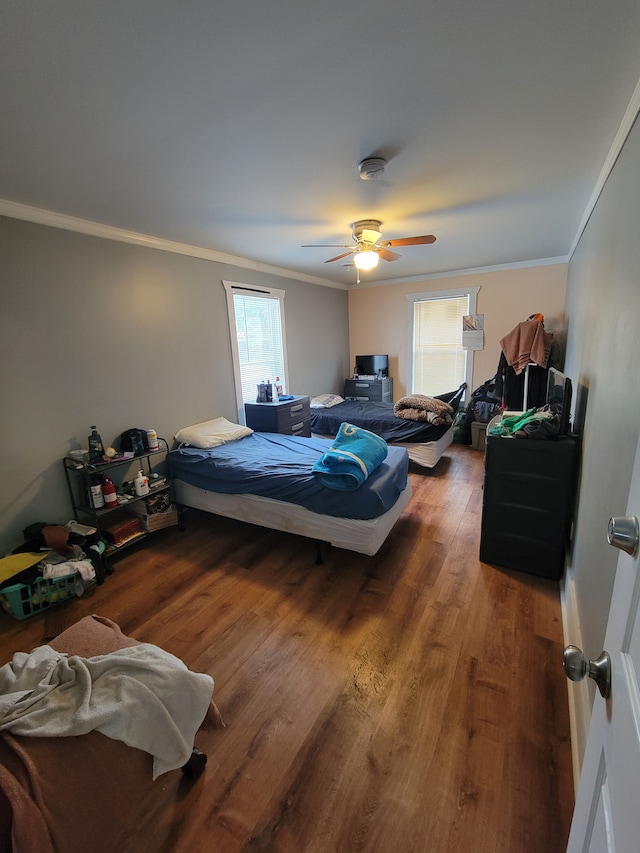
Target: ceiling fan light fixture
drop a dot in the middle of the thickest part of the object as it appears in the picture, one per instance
(372, 168)
(366, 259)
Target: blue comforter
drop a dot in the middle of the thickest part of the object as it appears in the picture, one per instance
(280, 467)
(376, 417)
(380, 418)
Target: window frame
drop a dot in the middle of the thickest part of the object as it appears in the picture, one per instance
(432, 295)
(257, 291)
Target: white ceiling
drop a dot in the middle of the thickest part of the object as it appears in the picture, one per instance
(238, 125)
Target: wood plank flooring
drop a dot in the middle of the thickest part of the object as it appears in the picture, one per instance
(411, 702)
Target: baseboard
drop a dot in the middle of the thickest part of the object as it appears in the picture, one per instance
(579, 699)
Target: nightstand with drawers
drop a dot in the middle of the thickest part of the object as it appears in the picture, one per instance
(288, 417)
(380, 390)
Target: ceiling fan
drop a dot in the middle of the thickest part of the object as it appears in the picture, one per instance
(368, 245)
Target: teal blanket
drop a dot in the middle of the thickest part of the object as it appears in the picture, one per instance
(354, 454)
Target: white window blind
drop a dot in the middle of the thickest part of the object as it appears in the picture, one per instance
(256, 322)
(439, 363)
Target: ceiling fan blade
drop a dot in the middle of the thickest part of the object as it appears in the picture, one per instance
(337, 257)
(411, 241)
(386, 255)
(326, 246)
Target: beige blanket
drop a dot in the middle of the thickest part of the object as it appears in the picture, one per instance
(528, 342)
(418, 407)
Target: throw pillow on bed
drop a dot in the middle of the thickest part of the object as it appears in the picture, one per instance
(211, 433)
(326, 401)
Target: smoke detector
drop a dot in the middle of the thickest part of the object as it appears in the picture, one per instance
(372, 168)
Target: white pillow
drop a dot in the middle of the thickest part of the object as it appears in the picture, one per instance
(325, 401)
(211, 433)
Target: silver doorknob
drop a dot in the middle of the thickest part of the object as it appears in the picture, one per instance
(623, 533)
(576, 666)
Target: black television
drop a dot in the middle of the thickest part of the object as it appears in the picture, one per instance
(372, 365)
(559, 392)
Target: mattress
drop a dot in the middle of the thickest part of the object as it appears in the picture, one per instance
(428, 453)
(278, 467)
(365, 536)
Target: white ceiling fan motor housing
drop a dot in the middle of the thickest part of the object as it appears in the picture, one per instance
(366, 230)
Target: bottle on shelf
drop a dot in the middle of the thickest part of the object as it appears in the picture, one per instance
(96, 447)
(141, 484)
(152, 439)
(279, 388)
(136, 441)
(109, 493)
(96, 497)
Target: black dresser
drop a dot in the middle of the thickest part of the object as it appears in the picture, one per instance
(528, 503)
(289, 417)
(380, 390)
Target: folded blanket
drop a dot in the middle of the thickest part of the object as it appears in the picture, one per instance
(141, 695)
(354, 454)
(418, 407)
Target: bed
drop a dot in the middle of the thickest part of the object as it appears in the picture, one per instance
(267, 479)
(425, 442)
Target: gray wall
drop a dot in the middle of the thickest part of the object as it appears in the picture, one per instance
(94, 331)
(603, 353)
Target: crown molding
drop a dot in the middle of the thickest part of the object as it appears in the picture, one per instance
(108, 232)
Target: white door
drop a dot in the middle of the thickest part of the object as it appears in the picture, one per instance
(607, 811)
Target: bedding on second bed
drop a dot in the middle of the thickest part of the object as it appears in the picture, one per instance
(280, 467)
(377, 417)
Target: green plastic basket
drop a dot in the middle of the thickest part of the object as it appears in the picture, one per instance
(22, 600)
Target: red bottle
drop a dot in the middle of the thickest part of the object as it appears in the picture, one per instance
(109, 493)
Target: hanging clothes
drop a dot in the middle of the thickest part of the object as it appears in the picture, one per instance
(510, 386)
(526, 344)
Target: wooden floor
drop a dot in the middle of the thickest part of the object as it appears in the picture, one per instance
(412, 701)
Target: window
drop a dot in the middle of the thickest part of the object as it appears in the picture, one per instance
(438, 361)
(256, 324)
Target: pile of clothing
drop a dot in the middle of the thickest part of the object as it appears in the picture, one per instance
(53, 551)
(535, 423)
